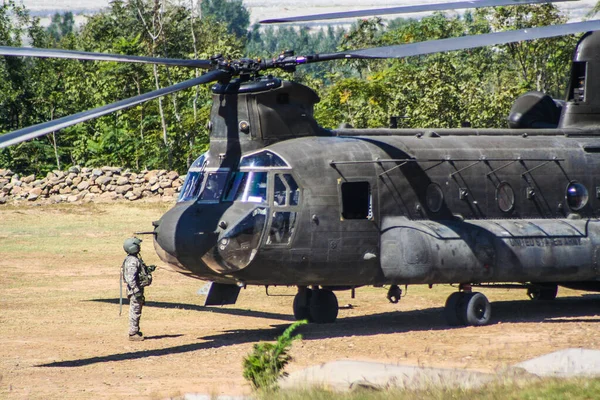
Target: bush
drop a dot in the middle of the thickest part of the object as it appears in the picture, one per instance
(265, 364)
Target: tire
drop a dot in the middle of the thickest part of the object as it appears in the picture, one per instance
(542, 292)
(476, 309)
(323, 306)
(302, 305)
(452, 310)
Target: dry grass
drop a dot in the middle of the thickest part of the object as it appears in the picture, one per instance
(61, 336)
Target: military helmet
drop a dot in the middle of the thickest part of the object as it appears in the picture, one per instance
(132, 245)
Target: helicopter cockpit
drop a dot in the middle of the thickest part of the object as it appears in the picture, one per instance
(265, 200)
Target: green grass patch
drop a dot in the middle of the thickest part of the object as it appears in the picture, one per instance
(546, 389)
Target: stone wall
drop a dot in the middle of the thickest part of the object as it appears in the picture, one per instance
(89, 184)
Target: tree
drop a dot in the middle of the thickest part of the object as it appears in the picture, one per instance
(61, 25)
(230, 12)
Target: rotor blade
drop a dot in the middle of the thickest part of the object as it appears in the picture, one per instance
(84, 55)
(34, 131)
(458, 43)
(408, 9)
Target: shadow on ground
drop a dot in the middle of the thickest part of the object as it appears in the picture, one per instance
(194, 307)
(561, 310)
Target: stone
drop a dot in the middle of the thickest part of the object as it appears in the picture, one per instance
(34, 194)
(28, 179)
(155, 187)
(172, 175)
(131, 196)
(153, 180)
(97, 172)
(75, 169)
(123, 189)
(108, 195)
(83, 185)
(169, 192)
(165, 184)
(103, 180)
(55, 199)
(95, 189)
(77, 180)
(16, 190)
(149, 175)
(123, 180)
(3, 199)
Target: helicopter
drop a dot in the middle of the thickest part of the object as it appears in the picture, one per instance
(279, 200)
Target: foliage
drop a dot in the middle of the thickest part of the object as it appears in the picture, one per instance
(265, 364)
(475, 86)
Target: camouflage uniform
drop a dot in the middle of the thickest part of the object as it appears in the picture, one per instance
(136, 276)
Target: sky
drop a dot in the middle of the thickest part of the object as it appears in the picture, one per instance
(262, 9)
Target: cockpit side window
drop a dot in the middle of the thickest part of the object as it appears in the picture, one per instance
(285, 191)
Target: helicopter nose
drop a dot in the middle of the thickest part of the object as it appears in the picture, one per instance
(186, 232)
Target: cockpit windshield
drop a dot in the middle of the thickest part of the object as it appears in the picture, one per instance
(193, 180)
(248, 187)
(214, 186)
(191, 186)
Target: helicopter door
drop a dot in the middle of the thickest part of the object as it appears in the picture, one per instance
(284, 204)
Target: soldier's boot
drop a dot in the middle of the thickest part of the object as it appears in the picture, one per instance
(136, 337)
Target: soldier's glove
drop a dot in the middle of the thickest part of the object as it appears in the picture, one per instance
(140, 297)
(151, 268)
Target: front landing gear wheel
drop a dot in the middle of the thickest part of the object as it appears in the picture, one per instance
(476, 309)
(302, 304)
(452, 309)
(323, 307)
(542, 292)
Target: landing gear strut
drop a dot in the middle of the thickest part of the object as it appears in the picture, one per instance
(542, 292)
(315, 305)
(467, 308)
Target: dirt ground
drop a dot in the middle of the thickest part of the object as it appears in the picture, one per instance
(61, 335)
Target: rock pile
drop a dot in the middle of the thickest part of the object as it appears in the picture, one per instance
(89, 184)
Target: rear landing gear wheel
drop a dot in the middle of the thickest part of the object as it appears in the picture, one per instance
(542, 292)
(476, 309)
(323, 307)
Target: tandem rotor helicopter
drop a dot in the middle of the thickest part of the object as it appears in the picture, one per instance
(279, 200)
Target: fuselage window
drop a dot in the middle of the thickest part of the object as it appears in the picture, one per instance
(505, 197)
(577, 196)
(356, 200)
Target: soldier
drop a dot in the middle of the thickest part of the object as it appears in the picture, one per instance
(137, 276)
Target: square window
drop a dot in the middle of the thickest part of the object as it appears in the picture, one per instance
(356, 200)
